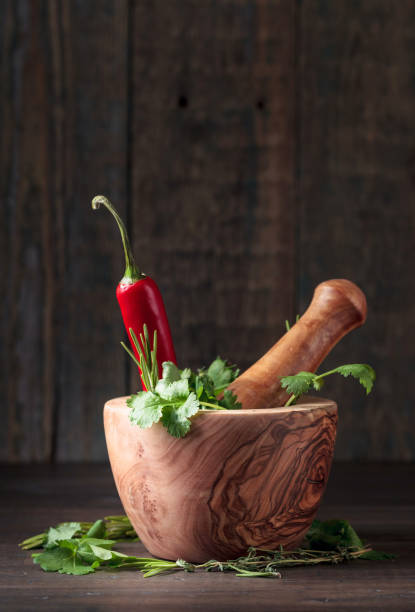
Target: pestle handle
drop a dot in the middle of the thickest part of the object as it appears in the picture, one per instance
(338, 306)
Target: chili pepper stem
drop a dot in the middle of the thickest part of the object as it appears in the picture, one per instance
(132, 271)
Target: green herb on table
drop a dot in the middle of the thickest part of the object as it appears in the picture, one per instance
(179, 394)
(301, 383)
(117, 528)
(69, 549)
(70, 555)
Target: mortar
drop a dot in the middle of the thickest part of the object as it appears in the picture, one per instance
(239, 478)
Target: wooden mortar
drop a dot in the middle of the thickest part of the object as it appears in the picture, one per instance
(240, 478)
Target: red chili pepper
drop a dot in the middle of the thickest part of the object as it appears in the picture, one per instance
(140, 299)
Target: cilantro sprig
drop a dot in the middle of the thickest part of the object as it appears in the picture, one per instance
(301, 383)
(178, 394)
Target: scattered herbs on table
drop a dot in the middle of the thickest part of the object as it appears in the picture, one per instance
(83, 548)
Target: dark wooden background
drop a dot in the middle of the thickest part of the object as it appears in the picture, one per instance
(256, 148)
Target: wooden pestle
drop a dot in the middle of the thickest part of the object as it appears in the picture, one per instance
(337, 307)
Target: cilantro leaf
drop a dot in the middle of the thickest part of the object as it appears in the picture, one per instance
(146, 408)
(230, 400)
(208, 387)
(170, 372)
(174, 423)
(303, 381)
(63, 560)
(332, 534)
(179, 394)
(363, 372)
(336, 534)
(172, 390)
(65, 531)
(176, 416)
(298, 384)
(221, 373)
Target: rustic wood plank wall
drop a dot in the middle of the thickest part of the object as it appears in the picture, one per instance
(256, 147)
(357, 208)
(63, 130)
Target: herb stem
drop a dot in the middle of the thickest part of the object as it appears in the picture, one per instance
(214, 406)
(291, 400)
(125, 347)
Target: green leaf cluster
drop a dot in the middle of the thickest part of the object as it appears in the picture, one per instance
(338, 534)
(210, 385)
(180, 394)
(304, 381)
(67, 554)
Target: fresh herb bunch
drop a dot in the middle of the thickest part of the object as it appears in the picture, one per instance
(301, 383)
(179, 394)
(69, 549)
(68, 554)
(117, 528)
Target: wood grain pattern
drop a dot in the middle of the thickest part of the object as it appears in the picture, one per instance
(238, 479)
(338, 306)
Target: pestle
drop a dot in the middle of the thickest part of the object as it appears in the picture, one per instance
(338, 306)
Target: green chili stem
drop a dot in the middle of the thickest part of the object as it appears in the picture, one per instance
(132, 271)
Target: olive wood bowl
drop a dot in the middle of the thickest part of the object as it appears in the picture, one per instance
(239, 478)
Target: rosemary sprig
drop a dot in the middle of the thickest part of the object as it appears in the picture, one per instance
(287, 323)
(260, 563)
(148, 357)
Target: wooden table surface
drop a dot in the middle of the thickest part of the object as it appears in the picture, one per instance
(378, 499)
